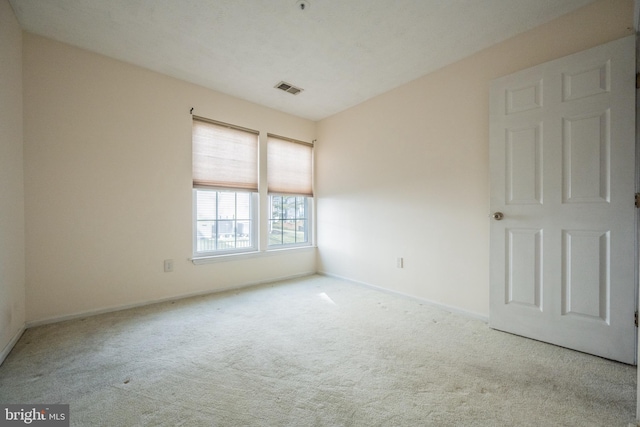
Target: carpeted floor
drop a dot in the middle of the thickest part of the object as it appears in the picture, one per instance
(315, 351)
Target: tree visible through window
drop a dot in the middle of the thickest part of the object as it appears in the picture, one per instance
(288, 220)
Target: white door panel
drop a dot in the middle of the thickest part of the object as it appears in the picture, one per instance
(563, 174)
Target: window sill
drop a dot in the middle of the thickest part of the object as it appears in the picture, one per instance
(210, 259)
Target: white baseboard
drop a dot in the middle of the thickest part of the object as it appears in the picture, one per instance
(12, 342)
(88, 313)
(450, 309)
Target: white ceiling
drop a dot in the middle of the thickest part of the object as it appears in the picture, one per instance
(341, 52)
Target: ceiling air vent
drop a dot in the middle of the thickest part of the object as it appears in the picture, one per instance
(287, 87)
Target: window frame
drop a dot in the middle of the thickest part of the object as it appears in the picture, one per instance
(254, 224)
(308, 201)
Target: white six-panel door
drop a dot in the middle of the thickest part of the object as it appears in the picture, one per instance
(562, 175)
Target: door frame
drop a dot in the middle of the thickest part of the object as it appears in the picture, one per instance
(636, 25)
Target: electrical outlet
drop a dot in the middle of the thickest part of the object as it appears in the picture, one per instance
(168, 265)
(400, 262)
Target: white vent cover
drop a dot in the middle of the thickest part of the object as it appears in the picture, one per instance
(288, 87)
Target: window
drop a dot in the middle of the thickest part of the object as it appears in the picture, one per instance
(227, 194)
(224, 221)
(288, 220)
(290, 187)
(225, 184)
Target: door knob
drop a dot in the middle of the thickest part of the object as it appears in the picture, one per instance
(497, 216)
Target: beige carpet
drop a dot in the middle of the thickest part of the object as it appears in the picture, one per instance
(315, 351)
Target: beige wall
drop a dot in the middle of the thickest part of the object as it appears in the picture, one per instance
(12, 261)
(108, 183)
(406, 174)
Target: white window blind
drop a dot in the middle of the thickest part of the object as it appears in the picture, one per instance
(224, 156)
(289, 166)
